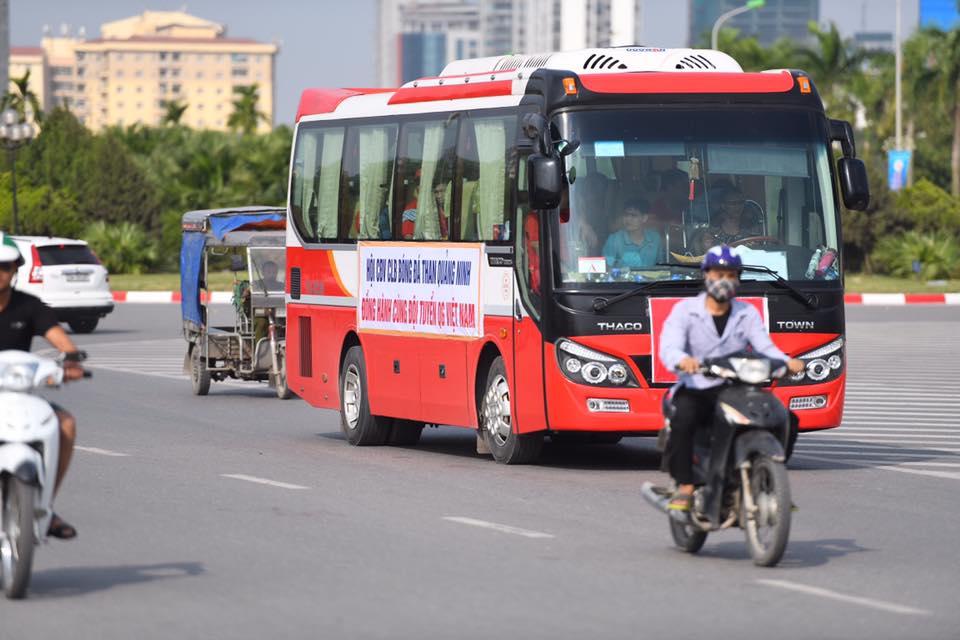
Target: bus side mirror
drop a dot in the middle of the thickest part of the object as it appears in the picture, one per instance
(545, 181)
(854, 186)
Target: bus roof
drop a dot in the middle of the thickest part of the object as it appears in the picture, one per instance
(620, 70)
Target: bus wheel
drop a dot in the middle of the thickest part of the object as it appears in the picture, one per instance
(356, 422)
(496, 422)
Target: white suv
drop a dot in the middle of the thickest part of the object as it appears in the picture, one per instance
(68, 277)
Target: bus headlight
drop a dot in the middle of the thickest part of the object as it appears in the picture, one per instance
(822, 364)
(818, 369)
(617, 374)
(583, 365)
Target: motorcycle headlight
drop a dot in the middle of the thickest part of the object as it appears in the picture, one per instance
(750, 370)
(18, 377)
(589, 366)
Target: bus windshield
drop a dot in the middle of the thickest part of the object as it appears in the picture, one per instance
(649, 188)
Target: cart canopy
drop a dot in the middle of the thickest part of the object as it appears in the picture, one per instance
(236, 227)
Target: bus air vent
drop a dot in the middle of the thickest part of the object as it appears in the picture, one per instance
(696, 62)
(507, 63)
(295, 283)
(600, 61)
(306, 347)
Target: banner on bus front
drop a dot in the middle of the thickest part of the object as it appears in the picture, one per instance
(420, 288)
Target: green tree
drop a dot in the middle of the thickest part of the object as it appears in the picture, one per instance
(23, 99)
(245, 117)
(173, 110)
(832, 64)
(123, 247)
(945, 76)
(752, 55)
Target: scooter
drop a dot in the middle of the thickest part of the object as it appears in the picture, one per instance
(739, 464)
(29, 456)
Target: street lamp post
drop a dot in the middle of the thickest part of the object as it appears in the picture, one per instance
(14, 133)
(715, 35)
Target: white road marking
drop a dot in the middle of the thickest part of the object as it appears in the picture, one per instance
(502, 528)
(272, 483)
(878, 447)
(870, 429)
(102, 452)
(886, 454)
(882, 605)
(883, 467)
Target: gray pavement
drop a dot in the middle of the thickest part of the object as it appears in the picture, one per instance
(241, 516)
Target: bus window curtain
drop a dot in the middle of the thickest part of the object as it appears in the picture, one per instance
(492, 149)
(374, 165)
(305, 177)
(328, 190)
(427, 225)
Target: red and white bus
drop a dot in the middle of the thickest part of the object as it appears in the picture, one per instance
(496, 247)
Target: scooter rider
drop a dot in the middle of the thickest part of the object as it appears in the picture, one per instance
(23, 316)
(712, 324)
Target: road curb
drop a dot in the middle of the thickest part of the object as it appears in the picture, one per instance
(217, 297)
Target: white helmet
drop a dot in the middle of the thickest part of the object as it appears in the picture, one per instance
(9, 251)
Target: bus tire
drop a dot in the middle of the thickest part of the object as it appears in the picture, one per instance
(359, 426)
(496, 421)
(405, 433)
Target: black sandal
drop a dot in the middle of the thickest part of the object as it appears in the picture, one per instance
(60, 528)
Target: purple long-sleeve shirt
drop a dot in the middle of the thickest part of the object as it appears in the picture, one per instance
(690, 331)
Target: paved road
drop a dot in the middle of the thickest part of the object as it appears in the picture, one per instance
(241, 516)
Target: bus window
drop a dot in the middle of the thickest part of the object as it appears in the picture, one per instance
(425, 179)
(365, 208)
(315, 182)
(485, 152)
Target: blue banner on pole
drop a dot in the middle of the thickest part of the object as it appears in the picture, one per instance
(899, 166)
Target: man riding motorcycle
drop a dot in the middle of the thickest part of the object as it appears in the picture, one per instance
(23, 316)
(710, 325)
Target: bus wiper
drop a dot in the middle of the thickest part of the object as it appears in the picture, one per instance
(599, 304)
(808, 301)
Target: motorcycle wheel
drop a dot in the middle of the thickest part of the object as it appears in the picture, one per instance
(687, 536)
(16, 547)
(768, 531)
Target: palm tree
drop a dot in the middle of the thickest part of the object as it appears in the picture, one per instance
(832, 64)
(245, 116)
(173, 111)
(948, 86)
(753, 56)
(23, 99)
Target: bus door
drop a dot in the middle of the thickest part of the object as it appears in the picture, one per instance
(527, 337)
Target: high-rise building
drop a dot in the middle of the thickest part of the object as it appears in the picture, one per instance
(433, 33)
(776, 19)
(944, 14)
(4, 42)
(419, 37)
(142, 63)
(871, 24)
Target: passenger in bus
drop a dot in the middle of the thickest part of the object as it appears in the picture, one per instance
(729, 217)
(636, 245)
(674, 198)
(443, 215)
(408, 224)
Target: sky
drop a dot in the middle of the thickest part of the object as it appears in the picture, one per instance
(332, 43)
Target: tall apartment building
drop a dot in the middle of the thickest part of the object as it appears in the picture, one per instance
(777, 19)
(4, 42)
(34, 61)
(139, 64)
(431, 33)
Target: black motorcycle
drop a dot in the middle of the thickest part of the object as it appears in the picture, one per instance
(739, 464)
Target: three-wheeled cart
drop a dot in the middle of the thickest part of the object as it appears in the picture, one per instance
(251, 241)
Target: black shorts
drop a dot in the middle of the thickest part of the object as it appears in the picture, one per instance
(57, 408)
